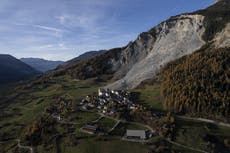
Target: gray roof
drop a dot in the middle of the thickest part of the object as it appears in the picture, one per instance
(136, 133)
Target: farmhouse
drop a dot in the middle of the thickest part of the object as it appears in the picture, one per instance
(136, 134)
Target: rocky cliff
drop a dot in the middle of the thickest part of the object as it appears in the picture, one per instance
(171, 39)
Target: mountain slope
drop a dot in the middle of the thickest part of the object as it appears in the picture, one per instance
(12, 69)
(41, 64)
(142, 59)
(86, 55)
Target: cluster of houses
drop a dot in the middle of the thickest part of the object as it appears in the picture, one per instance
(109, 102)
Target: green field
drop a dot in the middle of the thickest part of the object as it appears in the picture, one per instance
(149, 96)
(30, 103)
(106, 124)
(104, 145)
(83, 117)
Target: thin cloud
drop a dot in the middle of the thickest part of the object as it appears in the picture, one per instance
(63, 29)
(48, 28)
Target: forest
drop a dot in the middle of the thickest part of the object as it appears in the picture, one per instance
(198, 84)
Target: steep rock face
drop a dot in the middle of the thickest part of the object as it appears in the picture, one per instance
(222, 39)
(168, 41)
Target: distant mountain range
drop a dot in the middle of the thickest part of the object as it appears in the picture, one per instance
(46, 65)
(41, 64)
(12, 69)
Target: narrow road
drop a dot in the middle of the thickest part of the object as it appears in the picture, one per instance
(117, 123)
(186, 147)
(206, 121)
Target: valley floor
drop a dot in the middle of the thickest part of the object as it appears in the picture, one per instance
(23, 111)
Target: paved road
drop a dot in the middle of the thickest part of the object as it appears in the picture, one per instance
(206, 121)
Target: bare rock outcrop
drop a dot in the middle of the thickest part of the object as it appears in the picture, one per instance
(168, 41)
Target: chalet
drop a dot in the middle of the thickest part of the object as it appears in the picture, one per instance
(92, 129)
(100, 92)
(136, 134)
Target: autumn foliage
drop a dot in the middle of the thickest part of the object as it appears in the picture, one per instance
(198, 83)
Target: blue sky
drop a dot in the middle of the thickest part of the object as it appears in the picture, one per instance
(63, 29)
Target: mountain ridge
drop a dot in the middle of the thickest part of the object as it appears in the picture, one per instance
(86, 55)
(13, 69)
(41, 64)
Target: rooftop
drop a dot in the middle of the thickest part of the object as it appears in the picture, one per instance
(136, 133)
